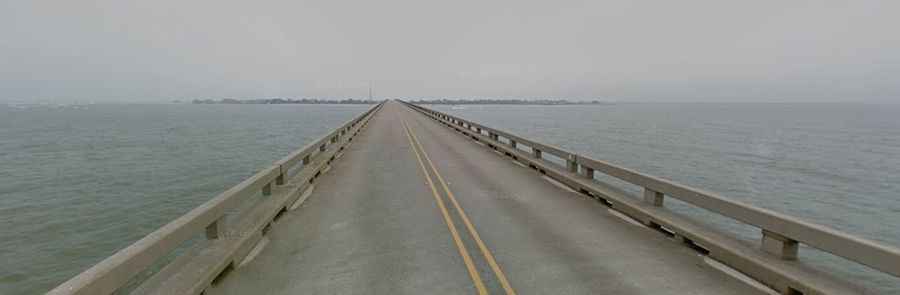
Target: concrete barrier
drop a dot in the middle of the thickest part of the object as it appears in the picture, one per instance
(116, 271)
(773, 262)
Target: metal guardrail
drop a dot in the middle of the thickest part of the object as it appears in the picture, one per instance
(115, 271)
(781, 234)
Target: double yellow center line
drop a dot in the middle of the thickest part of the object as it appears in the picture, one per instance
(473, 272)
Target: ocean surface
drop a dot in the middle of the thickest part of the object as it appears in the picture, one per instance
(832, 164)
(77, 183)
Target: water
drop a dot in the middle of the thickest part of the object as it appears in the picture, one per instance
(79, 183)
(833, 164)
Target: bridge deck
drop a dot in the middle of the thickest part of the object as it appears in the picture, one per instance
(373, 225)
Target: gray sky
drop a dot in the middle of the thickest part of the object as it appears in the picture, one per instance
(688, 50)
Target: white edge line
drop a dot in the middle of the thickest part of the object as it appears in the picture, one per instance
(256, 250)
(557, 183)
(302, 197)
(519, 163)
(738, 275)
(624, 217)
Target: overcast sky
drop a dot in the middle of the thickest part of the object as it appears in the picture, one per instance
(687, 50)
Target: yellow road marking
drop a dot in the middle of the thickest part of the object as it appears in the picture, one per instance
(476, 278)
(462, 214)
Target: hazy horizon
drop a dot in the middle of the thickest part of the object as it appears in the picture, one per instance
(622, 51)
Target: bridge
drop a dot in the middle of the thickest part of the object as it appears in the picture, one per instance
(407, 200)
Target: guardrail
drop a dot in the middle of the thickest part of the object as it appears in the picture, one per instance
(781, 234)
(117, 270)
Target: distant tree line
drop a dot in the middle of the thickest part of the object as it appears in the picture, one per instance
(506, 101)
(284, 101)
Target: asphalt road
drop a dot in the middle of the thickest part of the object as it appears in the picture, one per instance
(415, 208)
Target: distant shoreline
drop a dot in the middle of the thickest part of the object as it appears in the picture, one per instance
(508, 102)
(430, 102)
(283, 101)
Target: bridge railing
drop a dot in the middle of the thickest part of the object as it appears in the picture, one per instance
(781, 234)
(116, 271)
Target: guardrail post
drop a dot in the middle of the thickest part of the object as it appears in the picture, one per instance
(572, 163)
(536, 153)
(587, 172)
(653, 197)
(267, 189)
(280, 179)
(778, 245)
(493, 136)
(215, 229)
(306, 160)
(322, 148)
(512, 143)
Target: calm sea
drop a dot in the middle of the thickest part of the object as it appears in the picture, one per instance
(77, 184)
(833, 164)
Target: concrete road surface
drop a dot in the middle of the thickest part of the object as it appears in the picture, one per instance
(414, 208)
